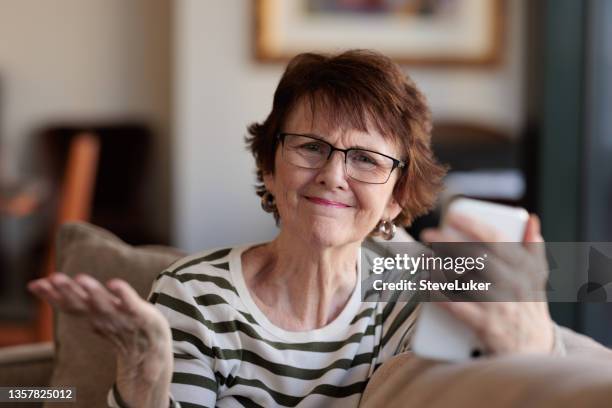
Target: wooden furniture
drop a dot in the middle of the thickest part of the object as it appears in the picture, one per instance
(74, 204)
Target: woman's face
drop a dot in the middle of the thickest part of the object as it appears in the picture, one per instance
(324, 206)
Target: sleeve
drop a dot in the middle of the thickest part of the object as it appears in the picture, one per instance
(194, 383)
(114, 400)
(193, 380)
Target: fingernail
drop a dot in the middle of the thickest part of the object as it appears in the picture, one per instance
(538, 223)
(112, 283)
(88, 282)
(60, 280)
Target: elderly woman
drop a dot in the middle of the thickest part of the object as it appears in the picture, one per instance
(344, 154)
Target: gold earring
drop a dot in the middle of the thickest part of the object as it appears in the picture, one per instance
(386, 229)
(268, 204)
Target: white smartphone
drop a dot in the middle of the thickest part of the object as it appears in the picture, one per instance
(438, 335)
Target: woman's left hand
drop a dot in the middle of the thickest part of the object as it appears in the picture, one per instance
(503, 327)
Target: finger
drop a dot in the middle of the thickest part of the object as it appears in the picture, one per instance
(532, 231)
(130, 303)
(533, 240)
(469, 313)
(74, 297)
(67, 282)
(448, 242)
(43, 289)
(100, 299)
(534, 244)
(108, 307)
(479, 316)
(496, 241)
(475, 229)
(129, 300)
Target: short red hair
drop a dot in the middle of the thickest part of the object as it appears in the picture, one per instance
(357, 89)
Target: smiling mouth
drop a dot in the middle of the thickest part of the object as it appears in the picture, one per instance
(326, 203)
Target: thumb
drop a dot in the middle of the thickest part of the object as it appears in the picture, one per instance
(532, 230)
(129, 298)
(533, 241)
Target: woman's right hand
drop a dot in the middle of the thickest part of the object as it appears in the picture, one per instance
(138, 331)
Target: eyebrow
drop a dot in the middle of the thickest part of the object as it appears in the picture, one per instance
(323, 138)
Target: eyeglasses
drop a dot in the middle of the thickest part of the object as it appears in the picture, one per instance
(360, 164)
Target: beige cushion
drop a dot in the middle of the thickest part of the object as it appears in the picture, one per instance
(85, 360)
(577, 380)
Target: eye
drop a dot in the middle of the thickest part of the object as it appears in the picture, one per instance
(364, 158)
(312, 147)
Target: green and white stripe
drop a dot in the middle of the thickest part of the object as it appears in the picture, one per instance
(227, 353)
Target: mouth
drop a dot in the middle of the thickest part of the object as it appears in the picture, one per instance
(326, 203)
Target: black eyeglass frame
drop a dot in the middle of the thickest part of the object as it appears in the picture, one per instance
(397, 164)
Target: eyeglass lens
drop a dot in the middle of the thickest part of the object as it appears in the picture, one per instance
(361, 165)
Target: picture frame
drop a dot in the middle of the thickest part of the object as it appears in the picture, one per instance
(449, 33)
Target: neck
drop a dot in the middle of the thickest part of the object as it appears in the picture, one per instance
(308, 285)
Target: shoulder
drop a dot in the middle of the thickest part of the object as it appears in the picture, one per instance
(217, 258)
(204, 272)
(201, 288)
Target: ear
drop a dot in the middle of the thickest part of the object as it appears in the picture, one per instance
(268, 179)
(392, 209)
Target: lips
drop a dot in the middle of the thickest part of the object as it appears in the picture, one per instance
(327, 203)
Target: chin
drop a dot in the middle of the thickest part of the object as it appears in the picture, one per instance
(325, 234)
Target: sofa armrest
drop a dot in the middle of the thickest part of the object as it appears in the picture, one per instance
(26, 365)
(577, 344)
(511, 381)
(582, 377)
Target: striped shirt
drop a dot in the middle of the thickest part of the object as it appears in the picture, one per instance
(228, 354)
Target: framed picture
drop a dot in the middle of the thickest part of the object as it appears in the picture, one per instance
(420, 32)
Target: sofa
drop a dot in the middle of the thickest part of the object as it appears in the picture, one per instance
(81, 359)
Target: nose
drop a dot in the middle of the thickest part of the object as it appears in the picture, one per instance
(333, 173)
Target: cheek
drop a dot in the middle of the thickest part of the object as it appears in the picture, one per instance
(289, 186)
(372, 201)
(290, 198)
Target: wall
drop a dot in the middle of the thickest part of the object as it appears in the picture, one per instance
(219, 89)
(596, 195)
(86, 60)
